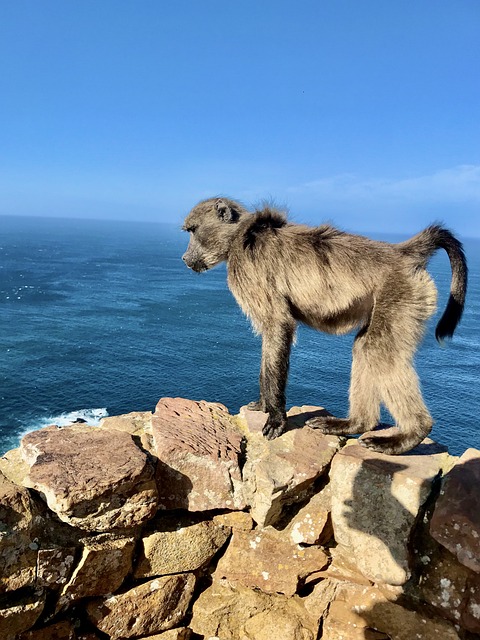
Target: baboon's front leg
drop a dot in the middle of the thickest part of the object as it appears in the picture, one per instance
(276, 344)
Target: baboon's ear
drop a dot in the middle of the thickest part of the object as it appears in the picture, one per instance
(225, 212)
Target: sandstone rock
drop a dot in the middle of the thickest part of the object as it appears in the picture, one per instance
(375, 502)
(456, 519)
(222, 611)
(449, 586)
(265, 559)
(235, 520)
(179, 544)
(281, 472)
(181, 633)
(152, 607)
(199, 447)
(134, 423)
(58, 631)
(19, 614)
(297, 416)
(343, 622)
(137, 424)
(94, 479)
(471, 614)
(14, 467)
(322, 595)
(368, 610)
(18, 551)
(106, 560)
(55, 566)
(343, 567)
(312, 524)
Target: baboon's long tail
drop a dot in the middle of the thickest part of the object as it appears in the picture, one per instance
(422, 247)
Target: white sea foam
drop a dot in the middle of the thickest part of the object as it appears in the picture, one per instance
(91, 417)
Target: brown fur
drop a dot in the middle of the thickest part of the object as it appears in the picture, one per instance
(335, 282)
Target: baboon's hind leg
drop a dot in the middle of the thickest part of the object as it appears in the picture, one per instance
(402, 397)
(396, 329)
(364, 399)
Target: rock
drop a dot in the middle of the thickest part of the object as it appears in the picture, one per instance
(93, 479)
(343, 622)
(14, 467)
(297, 416)
(222, 611)
(265, 559)
(19, 614)
(179, 544)
(449, 586)
(456, 519)
(343, 567)
(18, 551)
(58, 631)
(152, 607)
(281, 472)
(234, 520)
(105, 562)
(376, 500)
(318, 601)
(364, 612)
(181, 633)
(312, 524)
(199, 447)
(135, 423)
(471, 614)
(55, 566)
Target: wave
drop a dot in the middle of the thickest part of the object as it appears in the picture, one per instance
(92, 417)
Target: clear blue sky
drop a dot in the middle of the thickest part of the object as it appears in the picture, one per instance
(362, 112)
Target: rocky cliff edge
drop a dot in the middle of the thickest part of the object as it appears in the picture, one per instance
(186, 523)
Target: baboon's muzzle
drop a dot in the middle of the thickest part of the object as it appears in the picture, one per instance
(196, 265)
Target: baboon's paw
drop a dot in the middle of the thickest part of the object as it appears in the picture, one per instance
(256, 405)
(274, 428)
(333, 426)
(320, 423)
(389, 445)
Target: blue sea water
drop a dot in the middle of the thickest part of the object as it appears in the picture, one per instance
(102, 318)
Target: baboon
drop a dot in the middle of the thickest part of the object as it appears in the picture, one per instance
(282, 273)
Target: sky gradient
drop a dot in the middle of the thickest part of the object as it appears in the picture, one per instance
(365, 114)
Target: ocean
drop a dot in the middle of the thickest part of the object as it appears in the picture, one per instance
(101, 318)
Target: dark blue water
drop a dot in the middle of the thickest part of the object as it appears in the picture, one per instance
(100, 317)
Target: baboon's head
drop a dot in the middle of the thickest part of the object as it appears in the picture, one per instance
(212, 224)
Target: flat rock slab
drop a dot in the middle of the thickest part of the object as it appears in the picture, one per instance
(266, 560)
(134, 423)
(94, 479)
(180, 544)
(152, 607)
(455, 522)
(281, 472)
(296, 417)
(375, 501)
(199, 447)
